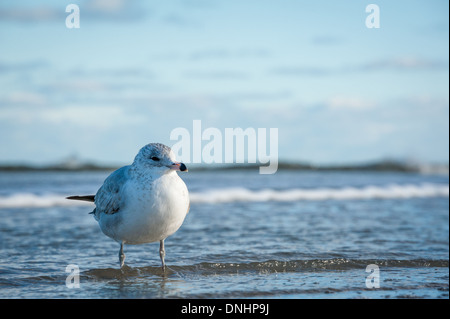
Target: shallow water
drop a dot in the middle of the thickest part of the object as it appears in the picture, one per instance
(246, 236)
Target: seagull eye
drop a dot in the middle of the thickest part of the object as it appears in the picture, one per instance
(154, 158)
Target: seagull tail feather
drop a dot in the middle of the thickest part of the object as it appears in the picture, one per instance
(87, 198)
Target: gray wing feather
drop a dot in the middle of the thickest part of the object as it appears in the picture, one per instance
(109, 199)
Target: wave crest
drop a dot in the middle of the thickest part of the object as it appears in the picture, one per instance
(346, 193)
(228, 195)
(19, 200)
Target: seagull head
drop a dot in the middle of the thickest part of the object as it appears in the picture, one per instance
(160, 157)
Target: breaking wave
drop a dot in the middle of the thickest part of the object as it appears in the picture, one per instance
(33, 200)
(227, 195)
(264, 267)
(345, 193)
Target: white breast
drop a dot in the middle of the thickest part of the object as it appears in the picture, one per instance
(154, 210)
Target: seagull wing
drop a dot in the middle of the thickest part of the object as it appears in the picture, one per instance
(109, 199)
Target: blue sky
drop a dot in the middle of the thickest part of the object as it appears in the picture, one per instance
(337, 91)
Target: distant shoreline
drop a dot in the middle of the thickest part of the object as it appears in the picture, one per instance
(380, 166)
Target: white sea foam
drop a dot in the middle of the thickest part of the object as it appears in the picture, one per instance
(346, 193)
(226, 195)
(33, 200)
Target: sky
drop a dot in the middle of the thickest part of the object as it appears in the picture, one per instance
(338, 91)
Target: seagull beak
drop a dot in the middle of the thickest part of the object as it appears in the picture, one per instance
(178, 167)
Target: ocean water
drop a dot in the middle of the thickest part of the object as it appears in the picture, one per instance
(294, 234)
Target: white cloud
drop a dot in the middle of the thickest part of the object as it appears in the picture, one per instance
(24, 98)
(116, 10)
(40, 13)
(405, 63)
(349, 103)
(90, 116)
(80, 85)
(107, 5)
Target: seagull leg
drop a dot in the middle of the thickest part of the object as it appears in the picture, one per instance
(121, 255)
(162, 254)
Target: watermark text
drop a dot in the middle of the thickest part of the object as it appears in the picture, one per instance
(234, 145)
(73, 279)
(373, 279)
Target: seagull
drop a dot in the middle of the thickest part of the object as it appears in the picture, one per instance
(143, 202)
